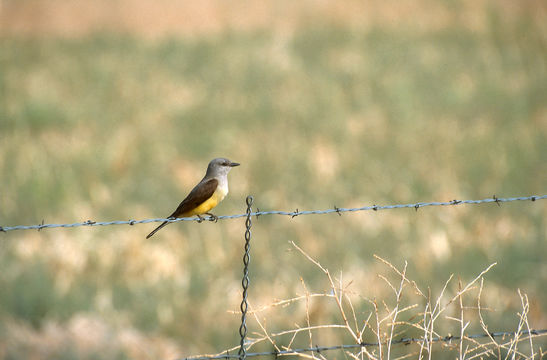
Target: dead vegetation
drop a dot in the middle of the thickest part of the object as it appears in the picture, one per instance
(409, 325)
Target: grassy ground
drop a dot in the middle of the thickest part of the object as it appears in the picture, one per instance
(109, 126)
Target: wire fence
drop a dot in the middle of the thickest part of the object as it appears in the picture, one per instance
(242, 352)
(339, 211)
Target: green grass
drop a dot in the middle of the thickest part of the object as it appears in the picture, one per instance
(115, 127)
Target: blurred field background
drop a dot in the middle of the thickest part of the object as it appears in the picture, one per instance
(112, 110)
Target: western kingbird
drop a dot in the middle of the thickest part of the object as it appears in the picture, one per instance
(205, 195)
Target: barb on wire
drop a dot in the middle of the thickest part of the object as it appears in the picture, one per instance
(402, 341)
(245, 281)
(293, 214)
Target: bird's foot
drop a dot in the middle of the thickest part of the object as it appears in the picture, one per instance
(213, 217)
(200, 219)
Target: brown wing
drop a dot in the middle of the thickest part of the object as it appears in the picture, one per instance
(203, 191)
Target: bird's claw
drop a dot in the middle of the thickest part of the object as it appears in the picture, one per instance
(213, 217)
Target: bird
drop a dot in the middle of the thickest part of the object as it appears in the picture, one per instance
(207, 194)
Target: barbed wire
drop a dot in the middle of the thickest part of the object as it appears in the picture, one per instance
(402, 341)
(339, 211)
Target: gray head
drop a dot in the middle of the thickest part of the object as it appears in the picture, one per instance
(220, 166)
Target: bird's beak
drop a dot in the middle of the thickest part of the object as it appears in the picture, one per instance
(234, 164)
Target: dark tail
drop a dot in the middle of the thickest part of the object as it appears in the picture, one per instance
(156, 229)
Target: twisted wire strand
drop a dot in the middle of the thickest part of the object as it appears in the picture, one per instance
(245, 281)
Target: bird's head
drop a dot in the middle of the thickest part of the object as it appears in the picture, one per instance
(220, 166)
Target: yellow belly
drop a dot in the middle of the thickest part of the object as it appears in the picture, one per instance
(207, 205)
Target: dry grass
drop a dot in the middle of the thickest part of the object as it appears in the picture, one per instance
(400, 329)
